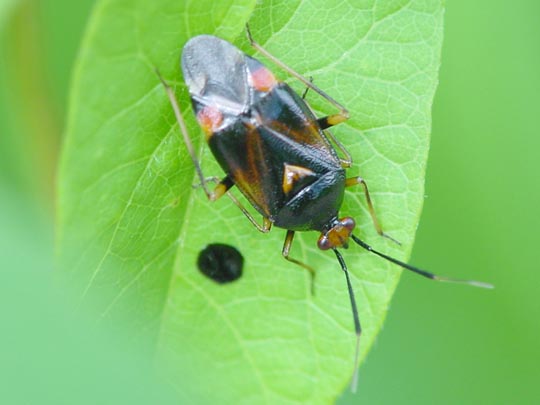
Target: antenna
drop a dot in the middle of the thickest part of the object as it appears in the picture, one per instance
(357, 327)
(421, 272)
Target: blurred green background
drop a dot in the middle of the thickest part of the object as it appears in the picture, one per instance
(440, 344)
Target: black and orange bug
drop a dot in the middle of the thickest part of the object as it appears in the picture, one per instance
(274, 149)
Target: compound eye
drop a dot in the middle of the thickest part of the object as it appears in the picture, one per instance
(323, 243)
(348, 223)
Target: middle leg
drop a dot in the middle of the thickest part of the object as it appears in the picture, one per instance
(285, 252)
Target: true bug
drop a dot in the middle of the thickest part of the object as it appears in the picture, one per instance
(275, 151)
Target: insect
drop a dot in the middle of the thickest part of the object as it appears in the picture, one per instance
(221, 263)
(274, 149)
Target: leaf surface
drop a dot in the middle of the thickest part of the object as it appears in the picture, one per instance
(131, 224)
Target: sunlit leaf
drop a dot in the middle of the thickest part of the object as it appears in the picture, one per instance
(131, 224)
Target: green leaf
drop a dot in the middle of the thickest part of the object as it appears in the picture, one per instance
(6, 8)
(131, 225)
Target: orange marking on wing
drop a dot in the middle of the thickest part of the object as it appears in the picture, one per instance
(262, 79)
(210, 119)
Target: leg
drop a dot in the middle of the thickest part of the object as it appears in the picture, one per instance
(307, 88)
(185, 135)
(353, 181)
(222, 188)
(323, 124)
(347, 162)
(330, 120)
(224, 185)
(285, 252)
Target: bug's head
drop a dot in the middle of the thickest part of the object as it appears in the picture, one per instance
(337, 235)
